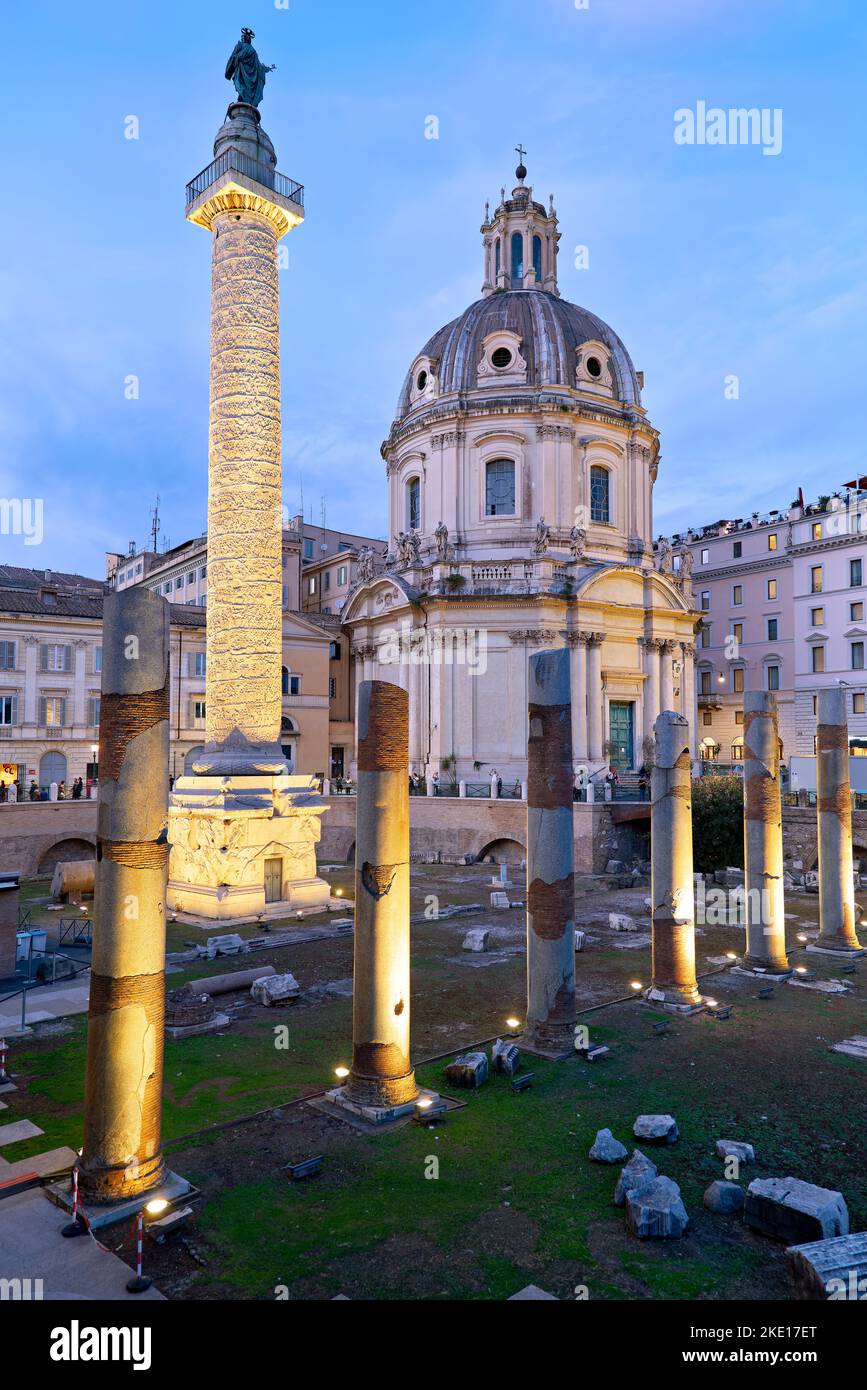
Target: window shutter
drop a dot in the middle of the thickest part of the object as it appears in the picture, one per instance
(42, 710)
(67, 658)
(63, 709)
(43, 662)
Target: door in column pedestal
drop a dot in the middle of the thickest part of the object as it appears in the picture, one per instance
(620, 722)
(273, 880)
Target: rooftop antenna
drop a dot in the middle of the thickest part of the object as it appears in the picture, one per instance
(322, 511)
(301, 480)
(155, 524)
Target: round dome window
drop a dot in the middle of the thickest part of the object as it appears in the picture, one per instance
(594, 366)
(421, 380)
(501, 357)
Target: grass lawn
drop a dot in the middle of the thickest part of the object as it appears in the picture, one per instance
(514, 1199)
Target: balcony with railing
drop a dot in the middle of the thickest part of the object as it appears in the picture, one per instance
(468, 578)
(235, 161)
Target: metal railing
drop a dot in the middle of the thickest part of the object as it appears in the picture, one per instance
(30, 984)
(78, 931)
(253, 169)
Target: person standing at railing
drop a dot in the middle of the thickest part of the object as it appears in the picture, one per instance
(34, 792)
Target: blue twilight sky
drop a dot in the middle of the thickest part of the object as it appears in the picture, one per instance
(707, 260)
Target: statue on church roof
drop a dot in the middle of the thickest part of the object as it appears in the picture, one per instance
(441, 535)
(365, 564)
(246, 71)
(543, 533)
(577, 542)
(664, 558)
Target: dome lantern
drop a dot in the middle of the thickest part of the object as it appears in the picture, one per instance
(520, 240)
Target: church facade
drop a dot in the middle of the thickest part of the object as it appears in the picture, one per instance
(520, 468)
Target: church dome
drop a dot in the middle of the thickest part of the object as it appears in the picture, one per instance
(551, 332)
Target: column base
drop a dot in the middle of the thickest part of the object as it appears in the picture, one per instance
(377, 1116)
(673, 1001)
(827, 948)
(244, 845)
(553, 1050)
(746, 966)
(171, 1187)
(108, 1186)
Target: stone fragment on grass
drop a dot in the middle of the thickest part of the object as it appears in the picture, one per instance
(795, 1211)
(275, 989)
(735, 1148)
(607, 1149)
(476, 939)
(724, 1197)
(230, 944)
(833, 1269)
(621, 921)
(505, 1057)
(659, 1129)
(657, 1210)
(469, 1070)
(638, 1172)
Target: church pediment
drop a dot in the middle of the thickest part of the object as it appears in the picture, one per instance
(627, 584)
(374, 599)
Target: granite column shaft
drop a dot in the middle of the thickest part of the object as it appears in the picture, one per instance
(550, 854)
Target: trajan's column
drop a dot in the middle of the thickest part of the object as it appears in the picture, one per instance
(243, 831)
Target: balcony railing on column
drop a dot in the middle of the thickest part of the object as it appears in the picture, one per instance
(243, 164)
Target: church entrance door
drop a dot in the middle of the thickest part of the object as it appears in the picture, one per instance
(620, 732)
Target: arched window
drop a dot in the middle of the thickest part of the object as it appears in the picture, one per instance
(284, 680)
(600, 502)
(413, 504)
(500, 488)
(517, 260)
(497, 259)
(537, 257)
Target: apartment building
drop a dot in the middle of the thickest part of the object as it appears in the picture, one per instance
(51, 673)
(829, 558)
(782, 598)
(742, 583)
(329, 566)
